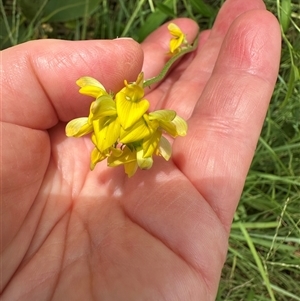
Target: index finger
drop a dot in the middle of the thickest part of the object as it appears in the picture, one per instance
(39, 77)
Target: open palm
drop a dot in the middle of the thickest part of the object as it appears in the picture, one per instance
(72, 234)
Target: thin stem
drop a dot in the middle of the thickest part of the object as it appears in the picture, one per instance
(134, 14)
(170, 62)
(8, 29)
(85, 20)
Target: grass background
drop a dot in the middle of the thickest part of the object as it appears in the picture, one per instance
(263, 261)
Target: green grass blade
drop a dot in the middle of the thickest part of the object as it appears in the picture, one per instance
(257, 259)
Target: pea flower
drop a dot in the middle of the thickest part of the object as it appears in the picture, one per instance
(178, 38)
(121, 128)
(83, 125)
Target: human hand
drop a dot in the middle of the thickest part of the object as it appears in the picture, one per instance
(69, 233)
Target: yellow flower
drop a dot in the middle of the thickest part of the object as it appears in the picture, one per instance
(170, 122)
(107, 132)
(83, 125)
(130, 103)
(133, 156)
(105, 122)
(140, 130)
(178, 38)
(157, 145)
(96, 156)
(151, 143)
(127, 158)
(131, 159)
(102, 110)
(159, 121)
(90, 86)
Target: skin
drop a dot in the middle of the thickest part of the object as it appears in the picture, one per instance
(72, 234)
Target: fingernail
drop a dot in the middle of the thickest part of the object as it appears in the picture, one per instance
(124, 38)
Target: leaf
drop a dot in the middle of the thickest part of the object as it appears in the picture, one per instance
(66, 10)
(285, 14)
(31, 8)
(154, 20)
(166, 10)
(203, 8)
(294, 77)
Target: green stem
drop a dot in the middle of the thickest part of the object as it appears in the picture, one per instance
(134, 14)
(170, 62)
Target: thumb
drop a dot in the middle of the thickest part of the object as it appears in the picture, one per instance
(39, 77)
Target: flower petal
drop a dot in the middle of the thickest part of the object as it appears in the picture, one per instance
(174, 30)
(116, 152)
(134, 92)
(151, 144)
(130, 112)
(89, 81)
(143, 163)
(96, 157)
(90, 86)
(91, 91)
(103, 106)
(130, 168)
(140, 80)
(127, 156)
(107, 135)
(169, 127)
(166, 115)
(174, 45)
(177, 39)
(138, 131)
(165, 148)
(78, 127)
(181, 125)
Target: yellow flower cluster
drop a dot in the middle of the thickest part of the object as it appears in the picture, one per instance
(122, 130)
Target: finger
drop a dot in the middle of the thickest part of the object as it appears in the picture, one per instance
(230, 10)
(39, 77)
(227, 120)
(196, 74)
